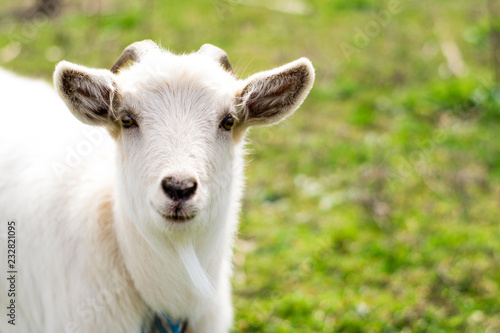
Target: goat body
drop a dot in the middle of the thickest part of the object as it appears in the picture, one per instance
(132, 210)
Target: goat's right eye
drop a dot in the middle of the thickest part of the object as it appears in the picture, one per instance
(128, 120)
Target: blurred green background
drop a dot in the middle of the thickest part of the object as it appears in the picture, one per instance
(375, 208)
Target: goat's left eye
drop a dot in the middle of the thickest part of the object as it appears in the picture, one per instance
(228, 122)
(128, 120)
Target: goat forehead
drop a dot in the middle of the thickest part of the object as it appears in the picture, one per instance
(178, 87)
(177, 103)
(171, 68)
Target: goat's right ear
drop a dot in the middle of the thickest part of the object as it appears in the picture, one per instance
(90, 94)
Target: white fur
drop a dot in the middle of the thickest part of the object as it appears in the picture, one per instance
(93, 252)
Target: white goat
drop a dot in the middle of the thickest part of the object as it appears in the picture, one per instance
(130, 228)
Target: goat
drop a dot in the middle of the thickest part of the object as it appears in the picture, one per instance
(136, 233)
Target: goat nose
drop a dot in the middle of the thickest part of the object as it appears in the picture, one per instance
(179, 189)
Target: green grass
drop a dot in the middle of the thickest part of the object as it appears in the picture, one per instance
(375, 207)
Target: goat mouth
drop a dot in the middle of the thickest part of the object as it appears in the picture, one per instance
(177, 214)
(178, 217)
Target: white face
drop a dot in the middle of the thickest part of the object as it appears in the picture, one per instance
(172, 119)
(176, 145)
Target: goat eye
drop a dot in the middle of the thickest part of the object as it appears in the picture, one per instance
(128, 120)
(228, 122)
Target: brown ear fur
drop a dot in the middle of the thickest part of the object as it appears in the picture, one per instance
(269, 97)
(90, 94)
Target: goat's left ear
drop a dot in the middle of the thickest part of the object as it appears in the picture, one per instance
(269, 97)
(90, 94)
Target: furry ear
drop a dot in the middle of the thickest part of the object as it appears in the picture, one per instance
(90, 94)
(269, 97)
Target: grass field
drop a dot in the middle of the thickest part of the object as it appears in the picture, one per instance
(375, 208)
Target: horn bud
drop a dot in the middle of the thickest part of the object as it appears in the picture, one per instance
(134, 52)
(218, 55)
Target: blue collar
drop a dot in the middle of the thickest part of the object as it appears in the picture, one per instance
(162, 323)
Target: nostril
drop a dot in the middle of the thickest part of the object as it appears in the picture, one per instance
(179, 189)
(169, 188)
(189, 191)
